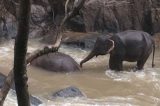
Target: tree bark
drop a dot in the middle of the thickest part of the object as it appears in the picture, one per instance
(20, 76)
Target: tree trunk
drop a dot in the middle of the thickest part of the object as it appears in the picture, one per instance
(20, 76)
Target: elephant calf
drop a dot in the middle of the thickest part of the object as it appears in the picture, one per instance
(56, 62)
(129, 46)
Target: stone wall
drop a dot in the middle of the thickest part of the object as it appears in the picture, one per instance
(118, 15)
(96, 15)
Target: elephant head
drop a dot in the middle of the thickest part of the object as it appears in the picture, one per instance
(102, 46)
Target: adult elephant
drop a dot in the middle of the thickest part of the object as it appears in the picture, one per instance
(56, 62)
(129, 46)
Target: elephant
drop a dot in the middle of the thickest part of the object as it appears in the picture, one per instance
(56, 62)
(129, 45)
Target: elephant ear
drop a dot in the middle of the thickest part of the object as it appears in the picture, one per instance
(98, 42)
(111, 45)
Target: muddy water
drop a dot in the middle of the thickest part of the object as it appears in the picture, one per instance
(102, 86)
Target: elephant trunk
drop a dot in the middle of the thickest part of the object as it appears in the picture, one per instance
(91, 55)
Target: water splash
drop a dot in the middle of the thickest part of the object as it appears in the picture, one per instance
(148, 74)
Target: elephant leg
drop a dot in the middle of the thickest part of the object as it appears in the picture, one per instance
(115, 64)
(119, 66)
(140, 63)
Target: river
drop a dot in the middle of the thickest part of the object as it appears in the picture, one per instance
(102, 86)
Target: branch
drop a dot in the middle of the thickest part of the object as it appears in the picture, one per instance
(39, 53)
(77, 6)
(66, 6)
(6, 87)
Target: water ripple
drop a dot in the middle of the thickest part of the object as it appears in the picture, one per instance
(149, 75)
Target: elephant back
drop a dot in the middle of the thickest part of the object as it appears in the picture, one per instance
(56, 62)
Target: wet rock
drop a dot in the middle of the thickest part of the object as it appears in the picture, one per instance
(68, 92)
(34, 100)
(2, 78)
(56, 62)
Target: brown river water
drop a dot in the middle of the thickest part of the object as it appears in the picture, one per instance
(102, 86)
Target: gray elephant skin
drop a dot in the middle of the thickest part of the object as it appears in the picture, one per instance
(56, 62)
(130, 45)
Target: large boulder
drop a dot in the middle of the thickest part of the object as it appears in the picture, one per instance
(38, 13)
(113, 15)
(96, 15)
(56, 62)
(39, 17)
(118, 15)
(68, 92)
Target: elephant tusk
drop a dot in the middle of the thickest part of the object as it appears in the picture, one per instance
(112, 47)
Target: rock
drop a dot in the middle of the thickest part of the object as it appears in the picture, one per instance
(68, 92)
(113, 15)
(56, 62)
(38, 13)
(2, 78)
(96, 15)
(43, 3)
(34, 100)
(8, 28)
(79, 39)
(117, 15)
(156, 19)
(82, 40)
(156, 38)
(110, 16)
(76, 24)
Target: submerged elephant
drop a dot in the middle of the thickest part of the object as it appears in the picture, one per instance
(56, 62)
(129, 46)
